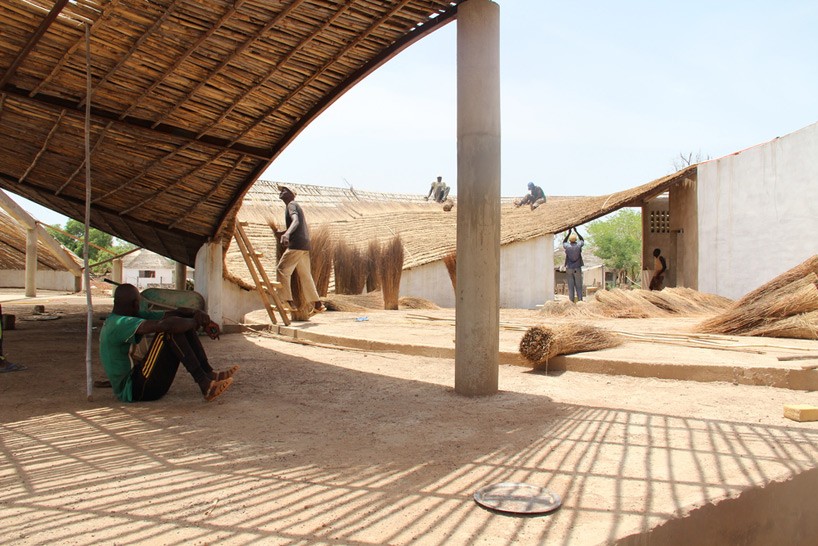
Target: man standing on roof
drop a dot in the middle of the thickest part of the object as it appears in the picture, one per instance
(439, 190)
(296, 256)
(535, 197)
(573, 263)
(142, 369)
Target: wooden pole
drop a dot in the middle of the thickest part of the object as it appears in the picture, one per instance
(89, 383)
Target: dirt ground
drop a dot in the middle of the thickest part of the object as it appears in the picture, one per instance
(318, 445)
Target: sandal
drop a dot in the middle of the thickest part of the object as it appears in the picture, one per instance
(6, 366)
(216, 388)
(226, 374)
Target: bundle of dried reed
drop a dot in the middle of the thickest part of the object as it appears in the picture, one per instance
(373, 262)
(782, 301)
(391, 269)
(541, 343)
(798, 272)
(412, 302)
(450, 261)
(321, 259)
(804, 326)
(564, 308)
(619, 303)
(350, 269)
(354, 303)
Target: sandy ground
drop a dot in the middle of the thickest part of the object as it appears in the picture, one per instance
(317, 445)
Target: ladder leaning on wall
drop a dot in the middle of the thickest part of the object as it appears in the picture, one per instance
(267, 290)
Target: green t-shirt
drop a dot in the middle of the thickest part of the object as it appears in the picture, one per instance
(116, 338)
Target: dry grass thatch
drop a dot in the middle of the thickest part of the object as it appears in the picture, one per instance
(541, 343)
(373, 262)
(620, 303)
(786, 298)
(350, 269)
(450, 261)
(391, 269)
(373, 301)
(321, 259)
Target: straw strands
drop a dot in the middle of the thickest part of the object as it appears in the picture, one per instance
(541, 343)
(373, 301)
(350, 266)
(391, 267)
(783, 307)
(321, 259)
(619, 303)
(373, 259)
(450, 261)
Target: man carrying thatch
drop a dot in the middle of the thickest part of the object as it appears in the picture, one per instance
(535, 197)
(140, 369)
(659, 268)
(573, 263)
(296, 256)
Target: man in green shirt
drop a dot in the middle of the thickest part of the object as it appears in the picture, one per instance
(142, 369)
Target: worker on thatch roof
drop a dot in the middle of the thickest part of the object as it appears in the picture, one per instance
(439, 190)
(7, 365)
(535, 197)
(141, 350)
(659, 268)
(296, 256)
(573, 263)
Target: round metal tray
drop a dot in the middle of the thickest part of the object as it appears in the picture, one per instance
(517, 498)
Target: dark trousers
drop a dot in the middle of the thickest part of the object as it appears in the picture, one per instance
(153, 376)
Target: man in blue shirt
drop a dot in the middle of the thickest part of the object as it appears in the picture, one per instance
(573, 263)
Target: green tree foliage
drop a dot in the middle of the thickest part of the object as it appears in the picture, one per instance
(96, 238)
(617, 240)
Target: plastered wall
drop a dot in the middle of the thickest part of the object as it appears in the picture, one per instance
(758, 215)
(46, 280)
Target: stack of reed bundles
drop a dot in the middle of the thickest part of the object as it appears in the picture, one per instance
(787, 306)
(541, 343)
(321, 259)
(373, 260)
(350, 269)
(391, 267)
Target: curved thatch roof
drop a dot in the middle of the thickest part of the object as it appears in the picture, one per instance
(190, 100)
(13, 249)
(427, 231)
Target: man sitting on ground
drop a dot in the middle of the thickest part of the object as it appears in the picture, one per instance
(140, 370)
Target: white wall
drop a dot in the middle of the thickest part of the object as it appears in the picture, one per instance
(758, 214)
(163, 276)
(526, 277)
(46, 279)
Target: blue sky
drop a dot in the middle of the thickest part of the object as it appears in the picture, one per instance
(596, 97)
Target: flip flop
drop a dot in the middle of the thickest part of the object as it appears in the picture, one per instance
(216, 388)
(11, 367)
(102, 383)
(226, 374)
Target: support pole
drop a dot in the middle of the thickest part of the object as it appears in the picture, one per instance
(181, 276)
(89, 326)
(478, 198)
(209, 278)
(31, 263)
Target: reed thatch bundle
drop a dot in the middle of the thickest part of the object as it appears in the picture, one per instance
(450, 261)
(321, 259)
(804, 326)
(759, 313)
(391, 269)
(353, 303)
(373, 262)
(541, 343)
(564, 308)
(412, 302)
(618, 303)
(350, 269)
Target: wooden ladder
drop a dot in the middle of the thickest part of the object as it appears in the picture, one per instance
(266, 289)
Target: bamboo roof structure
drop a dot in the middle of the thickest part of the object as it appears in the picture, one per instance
(189, 100)
(428, 232)
(13, 249)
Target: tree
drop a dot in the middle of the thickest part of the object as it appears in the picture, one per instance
(617, 240)
(96, 238)
(683, 160)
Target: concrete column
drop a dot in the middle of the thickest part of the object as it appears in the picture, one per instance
(116, 270)
(208, 279)
(478, 198)
(31, 263)
(181, 276)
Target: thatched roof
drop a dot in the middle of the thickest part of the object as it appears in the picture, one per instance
(428, 232)
(13, 249)
(145, 259)
(190, 101)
